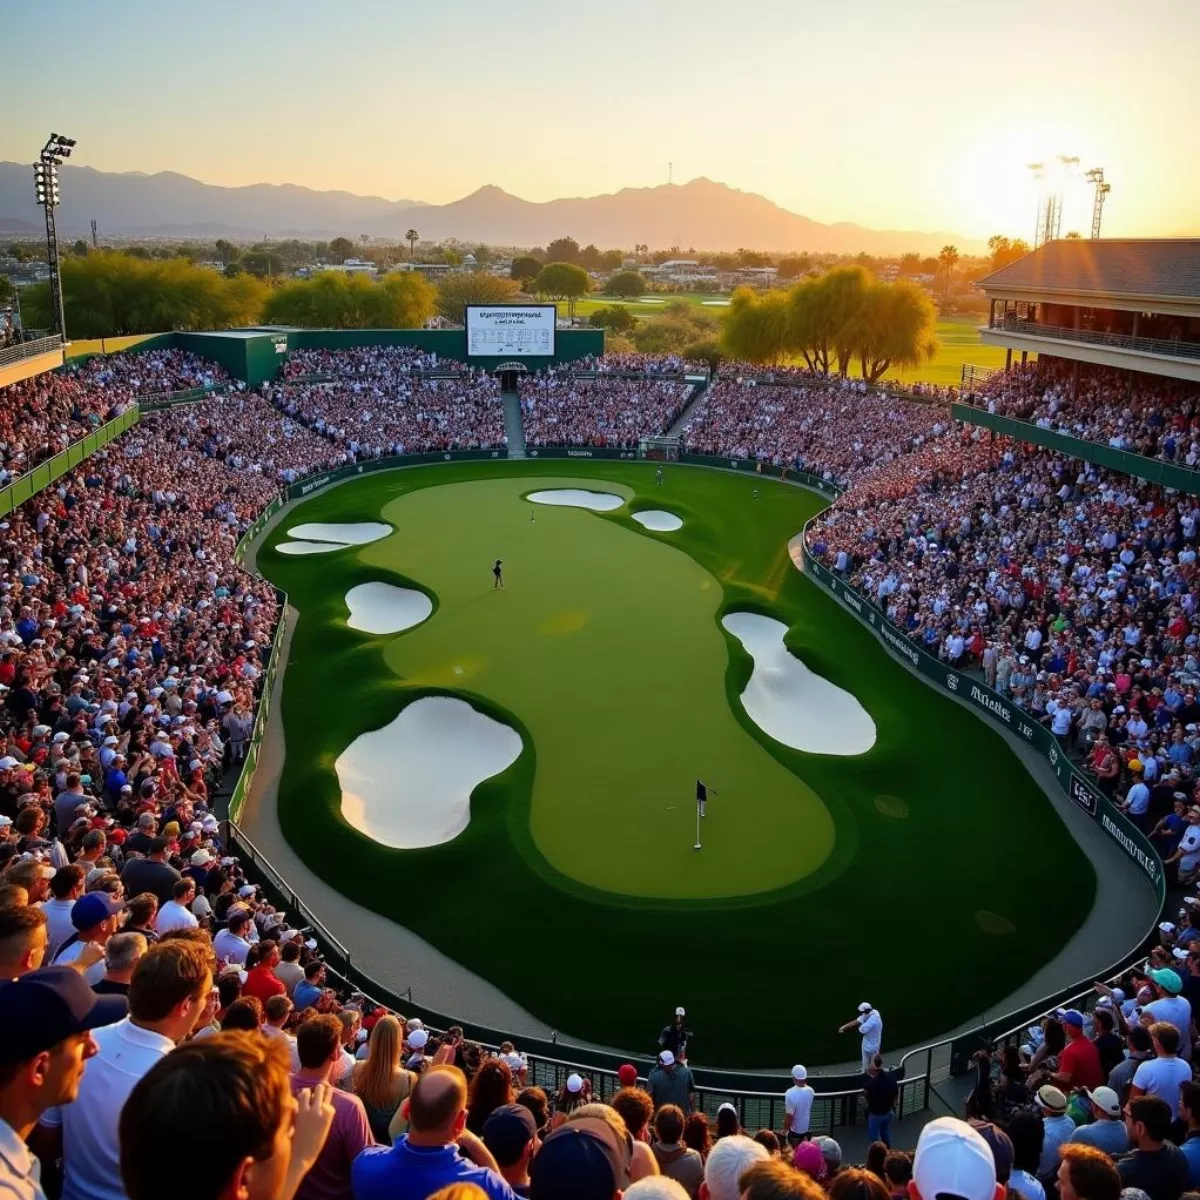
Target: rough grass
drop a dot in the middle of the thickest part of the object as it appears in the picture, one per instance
(766, 977)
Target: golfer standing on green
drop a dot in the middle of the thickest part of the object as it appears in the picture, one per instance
(498, 575)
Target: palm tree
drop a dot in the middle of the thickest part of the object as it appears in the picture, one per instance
(948, 257)
(411, 238)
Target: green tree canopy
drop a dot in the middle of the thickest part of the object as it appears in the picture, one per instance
(618, 320)
(108, 294)
(564, 250)
(894, 328)
(6, 288)
(626, 283)
(757, 326)
(525, 268)
(562, 281)
(341, 249)
(834, 319)
(455, 292)
(334, 300)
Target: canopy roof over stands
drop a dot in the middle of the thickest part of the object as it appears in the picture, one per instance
(1160, 274)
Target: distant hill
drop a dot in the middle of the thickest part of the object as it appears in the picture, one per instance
(13, 225)
(171, 205)
(700, 214)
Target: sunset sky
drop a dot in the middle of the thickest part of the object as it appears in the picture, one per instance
(921, 115)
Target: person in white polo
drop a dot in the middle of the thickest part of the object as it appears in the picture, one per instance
(870, 1024)
(797, 1103)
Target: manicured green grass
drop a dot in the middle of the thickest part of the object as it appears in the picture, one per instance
(571, 646)
(570, 887)
(961, 346)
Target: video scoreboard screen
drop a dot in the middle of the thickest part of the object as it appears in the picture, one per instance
(511, 330)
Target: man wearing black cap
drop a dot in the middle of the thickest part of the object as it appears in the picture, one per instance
(510, 1133)
(47, 1017)
(581, 1160)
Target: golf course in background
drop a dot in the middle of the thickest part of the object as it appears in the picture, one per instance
(574, 885)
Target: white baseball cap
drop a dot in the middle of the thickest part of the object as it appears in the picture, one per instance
(666, 1058)
(417, 1039)
(864, 1007)
(680, 1013)
(953, 1159)
(799, 1073)
(1105, 1099)
(574, 1083)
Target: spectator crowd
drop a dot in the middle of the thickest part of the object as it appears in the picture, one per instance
(1142, 414)
(565, 409)
(165, 1030)
(367, 362)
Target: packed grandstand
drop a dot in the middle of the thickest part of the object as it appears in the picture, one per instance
(134, 656)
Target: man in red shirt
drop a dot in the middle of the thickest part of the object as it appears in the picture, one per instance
(261, 980)
(1079, 1063)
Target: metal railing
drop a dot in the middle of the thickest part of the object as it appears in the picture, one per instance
(1170, 348)
(30, 349)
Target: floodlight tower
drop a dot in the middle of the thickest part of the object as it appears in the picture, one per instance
(1096, 176)
(1039, 178)
(45, 181)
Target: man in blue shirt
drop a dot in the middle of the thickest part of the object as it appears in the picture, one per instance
(311, 988)
(437, 1151)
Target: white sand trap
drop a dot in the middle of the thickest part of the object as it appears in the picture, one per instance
(356, 533)
(792, 704)
(310, 547)
(659, 520)
(409, 784)
(577, 498)
(716, 303)
(386, 608)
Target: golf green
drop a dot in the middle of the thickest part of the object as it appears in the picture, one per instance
(824, 878)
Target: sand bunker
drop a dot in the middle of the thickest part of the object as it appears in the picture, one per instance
(321, 539)
(659, 520)
(354, 533)
(386, 608)
(716, 303)
(409, 784)
(577, 498)
(310, 547)
(792, 704)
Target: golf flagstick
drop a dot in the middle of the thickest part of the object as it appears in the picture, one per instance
(697, 845)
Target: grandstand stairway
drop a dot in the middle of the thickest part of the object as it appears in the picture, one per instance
(513, 429)
(694, 399)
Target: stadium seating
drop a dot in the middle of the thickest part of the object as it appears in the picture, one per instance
(133, 657)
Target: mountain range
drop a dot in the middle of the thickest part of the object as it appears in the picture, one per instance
(701, 214)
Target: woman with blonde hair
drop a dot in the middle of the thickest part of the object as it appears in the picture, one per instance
(381, 1083)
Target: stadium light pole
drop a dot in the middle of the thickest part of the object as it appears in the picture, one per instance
(45, 181)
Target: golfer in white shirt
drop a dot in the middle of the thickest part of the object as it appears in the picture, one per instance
(870, 1024)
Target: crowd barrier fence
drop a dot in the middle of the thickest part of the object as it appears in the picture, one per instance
(757, 1095)
(45, 473)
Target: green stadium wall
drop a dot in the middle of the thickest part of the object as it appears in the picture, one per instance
(1153, 470)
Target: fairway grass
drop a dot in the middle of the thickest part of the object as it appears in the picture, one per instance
(624, 709)
(574, 886)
